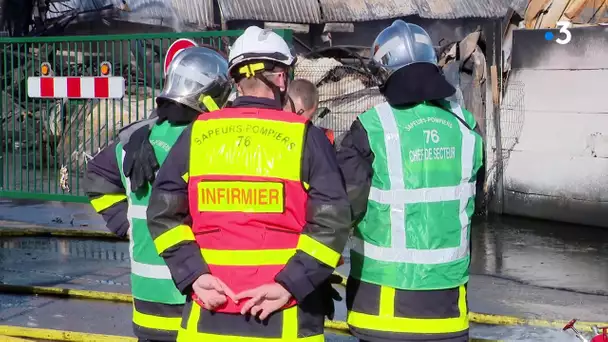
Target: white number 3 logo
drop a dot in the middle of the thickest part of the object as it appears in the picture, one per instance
(564, 29)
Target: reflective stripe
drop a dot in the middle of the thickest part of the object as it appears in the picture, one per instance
(387, 302)
(282, 158)
(410, 255)
(262, 257)
(150, 271)
(146, 270)
(172, 237)
(318, 250)
(425, 195)
(138, 268)
(104, 202)
(156, 322)
(289, 330)
(290, 323)
(386, 321)
(137, 212)
(398, 196)
(467, 156)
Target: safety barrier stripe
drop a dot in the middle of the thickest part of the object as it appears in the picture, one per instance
(474, 317)
(99, 87)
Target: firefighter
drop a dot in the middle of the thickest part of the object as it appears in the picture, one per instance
(197, 81)
(410, 166)
(250, 212)
(303, 98)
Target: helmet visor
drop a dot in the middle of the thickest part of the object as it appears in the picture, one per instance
(402, 44)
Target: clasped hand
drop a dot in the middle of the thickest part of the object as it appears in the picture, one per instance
(263, 300)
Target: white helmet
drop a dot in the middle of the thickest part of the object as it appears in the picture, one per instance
(257, 44)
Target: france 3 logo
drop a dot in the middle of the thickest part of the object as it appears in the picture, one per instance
(565, 35)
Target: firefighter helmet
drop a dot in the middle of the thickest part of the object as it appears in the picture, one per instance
(261, 45)
(400, 45)
(198, 78)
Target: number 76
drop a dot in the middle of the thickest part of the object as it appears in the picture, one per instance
(431, 135)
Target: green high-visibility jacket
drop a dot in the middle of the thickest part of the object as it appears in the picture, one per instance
(150, 277)
(415, 233)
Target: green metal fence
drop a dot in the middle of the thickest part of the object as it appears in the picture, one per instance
(45, 144)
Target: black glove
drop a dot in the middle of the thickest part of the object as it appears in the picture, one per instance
(140, 163)
(335, 278)
(330, 294)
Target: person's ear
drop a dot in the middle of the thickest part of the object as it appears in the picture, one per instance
(309, 114)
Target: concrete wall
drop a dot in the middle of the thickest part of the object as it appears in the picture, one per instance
(558, 166)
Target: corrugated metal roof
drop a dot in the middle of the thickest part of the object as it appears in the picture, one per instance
(198, 12)
(366, 10)
(454, 9)
(518, 5)
(287, 11)
(189, 12)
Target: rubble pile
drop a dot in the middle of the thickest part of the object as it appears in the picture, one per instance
(94, 124)
(345, 91)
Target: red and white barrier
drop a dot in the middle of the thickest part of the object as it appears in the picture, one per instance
(100, 87)
(176, 47)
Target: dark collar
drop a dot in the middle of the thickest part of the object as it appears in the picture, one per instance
(416, 83)
(255, 102)
(175, 113)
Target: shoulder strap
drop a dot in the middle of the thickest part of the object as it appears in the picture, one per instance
(124, 135)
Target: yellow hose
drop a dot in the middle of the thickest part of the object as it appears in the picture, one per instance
(66, 293)
(338, 326)
(57, 232)
(541, 323)
(58, 335)
(6, 338)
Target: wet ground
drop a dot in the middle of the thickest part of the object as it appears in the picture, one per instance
(522, 268)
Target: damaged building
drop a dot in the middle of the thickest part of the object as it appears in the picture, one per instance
(555, 145)
(331, 37)
(494, 52)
